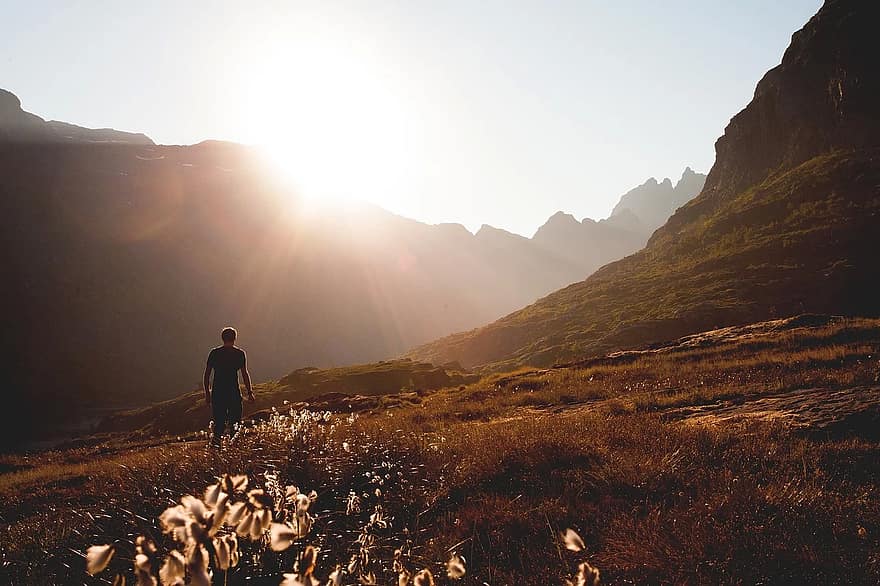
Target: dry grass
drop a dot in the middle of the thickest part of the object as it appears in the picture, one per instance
(495, 470)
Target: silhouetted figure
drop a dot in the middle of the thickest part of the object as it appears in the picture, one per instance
(225, 396)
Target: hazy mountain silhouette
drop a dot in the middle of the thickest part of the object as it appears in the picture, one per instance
(788, 220)
(654, 202)
(124, 258)
(16, 125)
(591, 244)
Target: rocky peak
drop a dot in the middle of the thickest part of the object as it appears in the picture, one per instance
(9, 102)
(822, 97)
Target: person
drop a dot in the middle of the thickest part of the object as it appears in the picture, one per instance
(224, 398)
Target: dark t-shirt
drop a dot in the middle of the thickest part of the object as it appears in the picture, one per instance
(226, 362)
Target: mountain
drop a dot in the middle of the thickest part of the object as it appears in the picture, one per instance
(124, 258)
(590, 244)
(16, 125)
(654, 202)
(788, 220)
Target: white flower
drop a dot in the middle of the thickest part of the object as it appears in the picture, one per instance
(455, 567)
(197, 563)
(403, 577)
(212, 493)
(587, 576)
(424, 578)
(297, 580)
(281, 536)
(572, 540)
(173, 571)
(303, 524)
(97, 558)
(172, 519)
(196, 508)
(221, 553)
(143, 570)
(335, 578)
(236, 512)
(233, 484)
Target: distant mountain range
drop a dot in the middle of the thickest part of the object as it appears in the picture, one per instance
(123, 260)
(788, 220)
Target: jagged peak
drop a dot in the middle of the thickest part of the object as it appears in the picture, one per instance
(561, 217)
(487, 232)
(9, 101)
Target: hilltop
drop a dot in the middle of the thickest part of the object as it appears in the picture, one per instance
(787, 222)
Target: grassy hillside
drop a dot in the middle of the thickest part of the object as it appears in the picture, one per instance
(802, 240)
(718, 458)
(787, 221)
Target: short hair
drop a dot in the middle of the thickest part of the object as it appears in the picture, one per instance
(228, 334)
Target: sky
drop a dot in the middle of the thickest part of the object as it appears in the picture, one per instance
(496, 112)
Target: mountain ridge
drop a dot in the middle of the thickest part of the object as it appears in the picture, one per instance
(783, 229)
(125, 259)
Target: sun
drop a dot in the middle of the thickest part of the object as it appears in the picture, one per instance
(332, 126)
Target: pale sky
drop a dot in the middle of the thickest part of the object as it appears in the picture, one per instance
(497, 112)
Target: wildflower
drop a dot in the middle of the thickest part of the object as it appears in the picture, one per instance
(226, 551)
(424, 578)
(572, 540)
(352, 504)
(252, 517)
(145, 554)
(863, 533)
(403, 577)
(233, 484)
(197, 564)
(368, 579)
(281, 536)
(455, 567)
(97, 558)
(587, 576)
(335, 577)
(305, 568)
(173, 571)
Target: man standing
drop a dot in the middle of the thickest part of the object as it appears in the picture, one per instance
(225, 398)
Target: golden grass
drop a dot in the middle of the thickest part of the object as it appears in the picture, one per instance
(496, 469)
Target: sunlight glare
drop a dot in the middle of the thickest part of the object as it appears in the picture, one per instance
(331, 127)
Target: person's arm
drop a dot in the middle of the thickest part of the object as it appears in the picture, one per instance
(206, 380)
(246, 377)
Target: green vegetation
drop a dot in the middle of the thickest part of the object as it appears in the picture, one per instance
(803, 240)
(624, 449)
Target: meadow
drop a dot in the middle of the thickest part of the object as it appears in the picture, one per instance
(740, 456)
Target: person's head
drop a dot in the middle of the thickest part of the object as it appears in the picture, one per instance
(228, 335)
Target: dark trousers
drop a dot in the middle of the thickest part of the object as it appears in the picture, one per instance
(227, 410)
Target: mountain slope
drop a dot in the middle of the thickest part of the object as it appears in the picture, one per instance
(124, 258)
(19, 126)
(787, 222)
